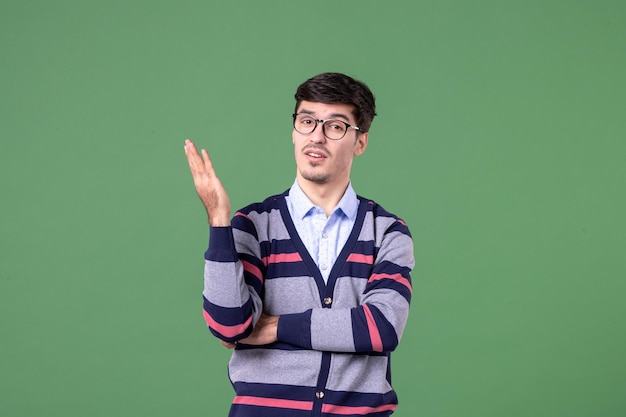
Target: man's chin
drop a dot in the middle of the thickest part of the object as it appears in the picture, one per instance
(317, 178)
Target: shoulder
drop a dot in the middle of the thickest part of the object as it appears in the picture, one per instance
(256, 218)
(389, 233)
(273, 202)
(381, 218)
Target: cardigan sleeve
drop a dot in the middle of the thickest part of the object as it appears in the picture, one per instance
(376, 324)
(233, 279)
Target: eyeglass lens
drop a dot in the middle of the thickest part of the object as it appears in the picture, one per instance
(333, 129)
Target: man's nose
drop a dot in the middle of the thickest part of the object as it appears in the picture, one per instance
(317, 135)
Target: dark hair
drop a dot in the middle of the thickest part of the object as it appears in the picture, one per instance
(335, 88)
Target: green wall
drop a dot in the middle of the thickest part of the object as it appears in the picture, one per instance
(500, 140)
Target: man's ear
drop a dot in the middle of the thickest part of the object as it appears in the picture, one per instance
(361, 143)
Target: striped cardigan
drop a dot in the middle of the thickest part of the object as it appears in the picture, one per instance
(332, 357)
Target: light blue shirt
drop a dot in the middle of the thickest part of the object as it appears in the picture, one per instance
(324, 237)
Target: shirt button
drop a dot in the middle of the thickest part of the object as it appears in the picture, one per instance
(319, 394)
(324, 235)
(323, 266)
(328, 301)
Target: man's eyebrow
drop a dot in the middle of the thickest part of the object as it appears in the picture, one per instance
(335, 115)
(331, 116)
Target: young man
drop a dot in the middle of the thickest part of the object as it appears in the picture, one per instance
(311, 287)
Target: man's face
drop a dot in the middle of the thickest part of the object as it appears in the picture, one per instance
(322, 160)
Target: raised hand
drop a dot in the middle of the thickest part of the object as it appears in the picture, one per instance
(208, 186)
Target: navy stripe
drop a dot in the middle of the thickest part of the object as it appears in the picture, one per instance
(228, 316)
(295, 329)
(231, 339)
(265, 247)
(287, 270)
(241, 410)
(251, 279)
(221, 245)
(363, 247)
(283, 246)
(220, 256)
(390, 268)
(356, 270)
(385, 329)
(245, 225)
(275, 346)
(360, 331)
(398, 227)
(391, 285)
(360, 399)
(285, 392)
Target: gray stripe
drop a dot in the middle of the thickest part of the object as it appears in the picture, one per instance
(246, 243)
(398, 249)
(348, 291)
(271, 366)
(269, 224)
(228, 291)
(360, 373)
(331, 330)
(394, 307)
(375, 229)
(291, 295)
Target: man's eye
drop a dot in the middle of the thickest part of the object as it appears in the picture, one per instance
(337, 126)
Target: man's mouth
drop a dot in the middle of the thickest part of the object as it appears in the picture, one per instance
(315, 153)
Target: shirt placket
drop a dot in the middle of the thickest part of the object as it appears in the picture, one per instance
(321, 237)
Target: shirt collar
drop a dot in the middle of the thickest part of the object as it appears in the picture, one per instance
(302, 205)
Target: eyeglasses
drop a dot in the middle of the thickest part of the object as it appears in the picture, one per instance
(332, 128)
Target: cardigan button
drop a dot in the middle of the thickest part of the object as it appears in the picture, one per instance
(328, 301)
(319, 394)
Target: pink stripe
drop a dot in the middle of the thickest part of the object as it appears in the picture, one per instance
(347, 410)
(242, 215)
(273, 402)
(247, 266)
(227, 331)
(282, 257)
(360, 258)
(377, 343)
(396, 277)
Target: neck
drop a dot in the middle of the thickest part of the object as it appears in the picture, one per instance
(326, 196)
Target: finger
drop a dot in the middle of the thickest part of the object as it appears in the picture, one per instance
(196, 164)
(227, 345)
(207, 160)
(208, 164)
(200, 160)
(190, 147)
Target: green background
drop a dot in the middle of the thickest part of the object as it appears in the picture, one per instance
(500, 141)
